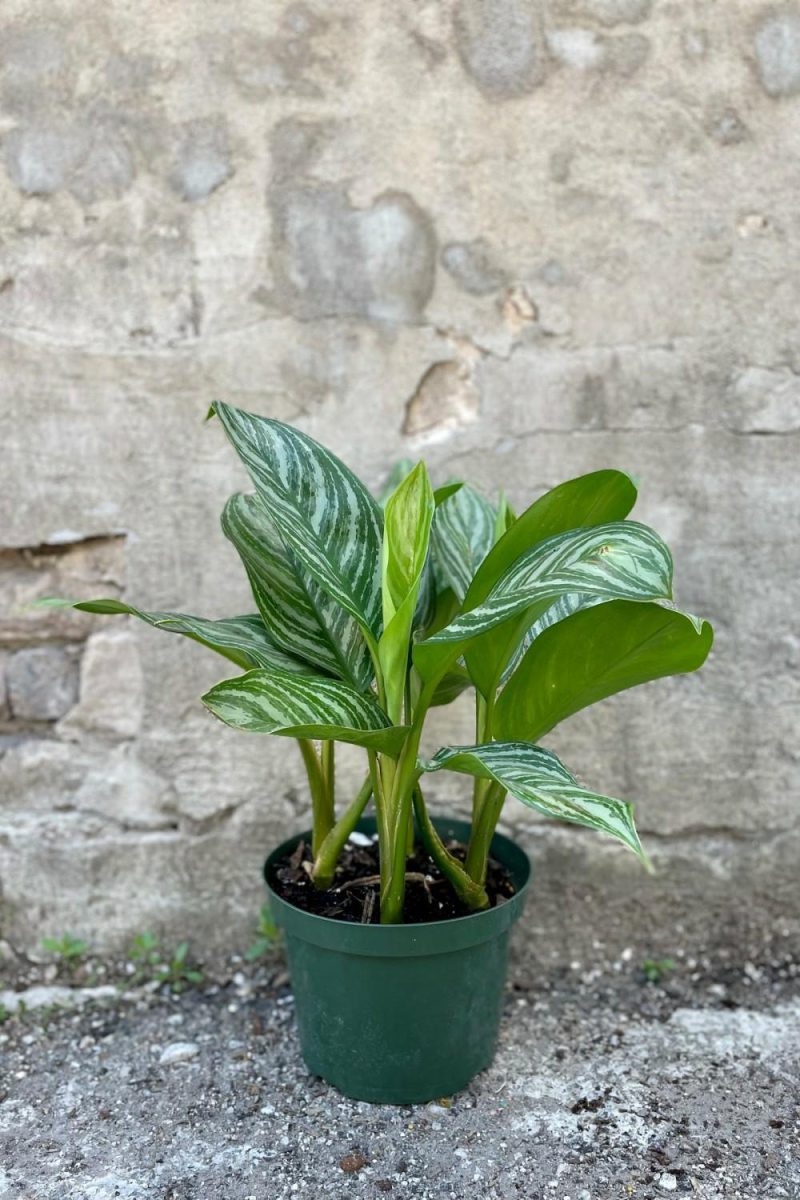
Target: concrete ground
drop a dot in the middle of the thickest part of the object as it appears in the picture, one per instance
(604, 1086)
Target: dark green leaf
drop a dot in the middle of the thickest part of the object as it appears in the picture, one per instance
(592, 654)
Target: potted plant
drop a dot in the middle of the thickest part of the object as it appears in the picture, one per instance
(369, 615)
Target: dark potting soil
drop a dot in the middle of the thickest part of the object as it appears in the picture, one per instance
(354, 895)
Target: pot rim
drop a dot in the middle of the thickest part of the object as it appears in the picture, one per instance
(427, 937)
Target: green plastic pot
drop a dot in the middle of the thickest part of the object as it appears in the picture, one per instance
(400, 1014)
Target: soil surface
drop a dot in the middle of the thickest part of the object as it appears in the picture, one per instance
(354, 895)
(605, 1087)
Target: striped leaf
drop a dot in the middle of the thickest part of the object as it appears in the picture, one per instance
(595, 653)
(303, 707)
(324, 514)
(540, 780)
(409, 513)
(243, 640)
(594, 499)
(463, 534)
(623, 560)
(301, 617)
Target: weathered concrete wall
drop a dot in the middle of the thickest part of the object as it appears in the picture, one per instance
(526, 237)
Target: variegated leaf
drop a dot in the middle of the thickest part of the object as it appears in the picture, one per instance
(589, 500)
(409, 514)
(303, 707)
(540, 780)
(300, 615)
(243, 640)
(325, 515)
(592, 654)
(622, 560)
(463, 534)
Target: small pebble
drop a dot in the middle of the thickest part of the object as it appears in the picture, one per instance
(178, 1052)
(351, 1164)
(667, 1182)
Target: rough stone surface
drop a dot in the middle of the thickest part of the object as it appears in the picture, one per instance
(777, 47)
(42, 683)
(526, 239)
(603, 1087)
(111, 686)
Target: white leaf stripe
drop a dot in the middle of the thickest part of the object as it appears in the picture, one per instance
(267, 701)
(463, 534)
(300, 616)
(621, 560)
(324, 513)
(244, 640)
(539, 779)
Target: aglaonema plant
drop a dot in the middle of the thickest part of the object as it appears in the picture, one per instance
(371, 614)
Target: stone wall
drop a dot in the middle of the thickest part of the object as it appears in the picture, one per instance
(526, 238)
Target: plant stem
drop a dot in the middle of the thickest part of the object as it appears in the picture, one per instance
(321, 808)
(469, 891)
(398, 807)
(479, 785)
(328, 854)
(328, 763)
(483, 832)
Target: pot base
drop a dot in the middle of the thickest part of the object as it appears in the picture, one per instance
(400, 1014)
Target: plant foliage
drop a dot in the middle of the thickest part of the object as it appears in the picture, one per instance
(371, 612)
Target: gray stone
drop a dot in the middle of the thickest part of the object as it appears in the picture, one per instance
(42, 683)
(111, 686)
(40, 158)
(500, 46)
(203, 160)
(777, 49)
(473, 266)
(575, 47)
(376, 262)
(766, 401)
(178, 1052)
(49, 995)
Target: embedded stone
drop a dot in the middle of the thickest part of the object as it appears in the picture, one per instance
(473, 267)
(39, 158)
(42, 683)
(446, 399)
(777, 48)
(766, 401)
(111, 686)
(578, 48)
(500, 46)
(377, 262)
(203, 161)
